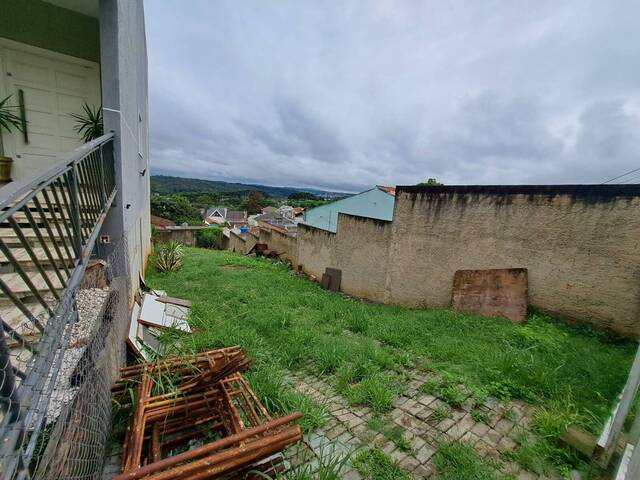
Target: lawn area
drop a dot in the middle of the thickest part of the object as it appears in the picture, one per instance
(289, 323)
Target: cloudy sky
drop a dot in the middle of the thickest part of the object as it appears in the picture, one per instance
(343, 95)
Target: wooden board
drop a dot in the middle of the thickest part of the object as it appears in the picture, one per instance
(493, 293)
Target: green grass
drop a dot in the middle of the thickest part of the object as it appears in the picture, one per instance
(390, 431)
(374, 464)
(286, 322)
(459, 461)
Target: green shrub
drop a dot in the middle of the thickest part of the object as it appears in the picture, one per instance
(209, 237)
(169, 257)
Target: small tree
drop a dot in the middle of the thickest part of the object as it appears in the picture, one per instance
(254, 203)
(431, 182)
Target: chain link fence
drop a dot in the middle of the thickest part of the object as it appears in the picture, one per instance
(55, 385)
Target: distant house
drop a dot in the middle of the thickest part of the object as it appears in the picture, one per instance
(269, 209)
(160, 222)
(373, 203)
(276, 219)
(224, 216)
(236, 218)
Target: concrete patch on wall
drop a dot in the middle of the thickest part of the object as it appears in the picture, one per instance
(492, 293)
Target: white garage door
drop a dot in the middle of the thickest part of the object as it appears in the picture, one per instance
(53, 87)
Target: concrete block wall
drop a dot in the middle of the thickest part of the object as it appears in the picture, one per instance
(237, 243)
(285, 245)
(580, 245)
(361, 250)
(315, 249)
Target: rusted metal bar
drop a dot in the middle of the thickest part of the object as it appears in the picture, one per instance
(230, 458)
(211, 447)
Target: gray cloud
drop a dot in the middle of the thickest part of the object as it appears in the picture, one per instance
(344, 96)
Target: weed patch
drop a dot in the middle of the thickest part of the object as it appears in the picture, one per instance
(376, 465)
(285, 322)
(459, 461)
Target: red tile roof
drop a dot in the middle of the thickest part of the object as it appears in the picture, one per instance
(389, 190)
(161, 222)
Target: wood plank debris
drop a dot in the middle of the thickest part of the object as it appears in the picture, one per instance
(148, 320)
(196, 417)
(332, 279)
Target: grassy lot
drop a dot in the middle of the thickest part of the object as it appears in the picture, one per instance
(286, 322)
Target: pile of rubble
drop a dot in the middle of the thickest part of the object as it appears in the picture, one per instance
(196, 417)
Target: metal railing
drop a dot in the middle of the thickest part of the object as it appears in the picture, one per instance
(48, 229)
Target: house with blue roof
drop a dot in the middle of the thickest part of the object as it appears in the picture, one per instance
(375, 203)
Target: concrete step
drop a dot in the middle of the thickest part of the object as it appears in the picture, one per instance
(25, 261)
(18, 287)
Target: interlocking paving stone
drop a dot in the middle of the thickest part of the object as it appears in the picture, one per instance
(425, 453)
(480, 429)
(492, 437)
(409, 463)
(426, 400)
(504, 426)
(506, 444)
(413, 412)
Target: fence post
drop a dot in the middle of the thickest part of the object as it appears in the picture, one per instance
(607, 441)
(103, 190)
(75, 210)
(8, 390)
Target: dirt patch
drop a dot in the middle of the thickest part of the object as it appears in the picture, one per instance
(234, 268)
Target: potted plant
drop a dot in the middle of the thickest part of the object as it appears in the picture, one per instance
(8, 120)
(89, 123)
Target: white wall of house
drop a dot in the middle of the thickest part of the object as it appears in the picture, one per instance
(53, 85)
(126, 109)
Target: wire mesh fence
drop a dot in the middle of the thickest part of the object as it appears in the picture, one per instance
(57, 416)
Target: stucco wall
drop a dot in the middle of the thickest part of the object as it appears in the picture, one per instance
(315, 249)
(361, 250)
(184, 235)
(579, 244)
(237, 243)
(285, 245)
(48, 26)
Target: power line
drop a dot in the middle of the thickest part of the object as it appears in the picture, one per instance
(623, 175)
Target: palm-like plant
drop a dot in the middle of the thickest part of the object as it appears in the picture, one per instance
(169, 257)
(8, 119)
(89, 123)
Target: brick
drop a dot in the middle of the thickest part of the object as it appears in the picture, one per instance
(524, 475)
(506, 444)
(485, 449)
(470, 438)
(409, 463)
(426, 400)
(425, 453)
(408, 405)
(389, 448)
(424, 413)
(398, 455)
(480, 429)
(335, 432)
(345, 437)
(504, 426)
(445, 425)
(457, 414)
(416, 442)
(492, 437)
(423, 471)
